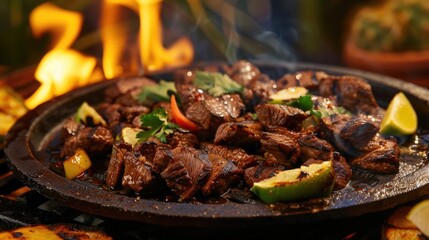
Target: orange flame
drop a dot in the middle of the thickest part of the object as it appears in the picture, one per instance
(153, 55)
(61, 69)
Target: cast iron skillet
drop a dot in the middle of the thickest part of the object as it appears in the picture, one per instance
(25, 155)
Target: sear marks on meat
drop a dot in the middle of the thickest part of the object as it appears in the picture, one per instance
(237, 155)
(307, 79)
(343, 171)
(224, 175)
(190, 94)
(94, 140)
(259, 91)
(137, 173)
(244, 72)
(157, 153)
(211, 113)
(348, 134)
(116, 164)
(240, 134)
(125, 91)
(70, 128)
(280, 149)
(382, 159)
(313, 147)
(353, 93)
(280, 115)
(260, 172)
(233, 105)
(187, 172)
(183, 139)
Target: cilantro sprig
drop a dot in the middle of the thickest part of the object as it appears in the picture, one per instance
(156, 124)
(157, 92)
(306, 104)
(216, 84)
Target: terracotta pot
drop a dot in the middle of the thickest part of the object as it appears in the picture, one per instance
(412, 66)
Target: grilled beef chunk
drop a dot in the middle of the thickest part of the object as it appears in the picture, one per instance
(259, 91)
(244, 72)
(128, 114)
(116, 164)
(260, 172)
(190, 94)
(70, 128)
(137, 173)
(125, 91)
(211, 113)
(240, 134)
(237, 155)
(183, 139)
(157, 153)
(94, 140)
(280, 115)
(280, 149)
(187, 172)
(343, 172)
(224, 175)
(307, 79)
(348, 134)
(382, 159)
(313, 147)
(353, 93)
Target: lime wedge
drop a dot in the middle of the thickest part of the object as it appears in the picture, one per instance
(399, 118)
(419, 215)
(315, 180)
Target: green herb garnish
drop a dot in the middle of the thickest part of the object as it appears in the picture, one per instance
(216, 84)
(156, 93)
(156, 124)
(304, 103)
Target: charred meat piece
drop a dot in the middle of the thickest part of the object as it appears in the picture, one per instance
(260, 172)
(244, 72)
(137, 173)
(116, 164)
(70, 128)
(183, 139)
(307, 79)
(187, 172)
(353, 93)
(125, 91)
(280, 149)
(383, 159)
(224, 175)
(241, 134)
(211, 113)
(233, 104)
(129, 113)
(259, 91)
(348, 134)
(237, 155)
(314, 147)
(155, 152)
(280, 115)
(343, 172)
(190, 94)
(94, 140)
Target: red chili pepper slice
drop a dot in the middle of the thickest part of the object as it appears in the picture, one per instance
(179, 118)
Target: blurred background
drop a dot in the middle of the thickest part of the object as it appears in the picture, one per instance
(50, 47)
(309, 30)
